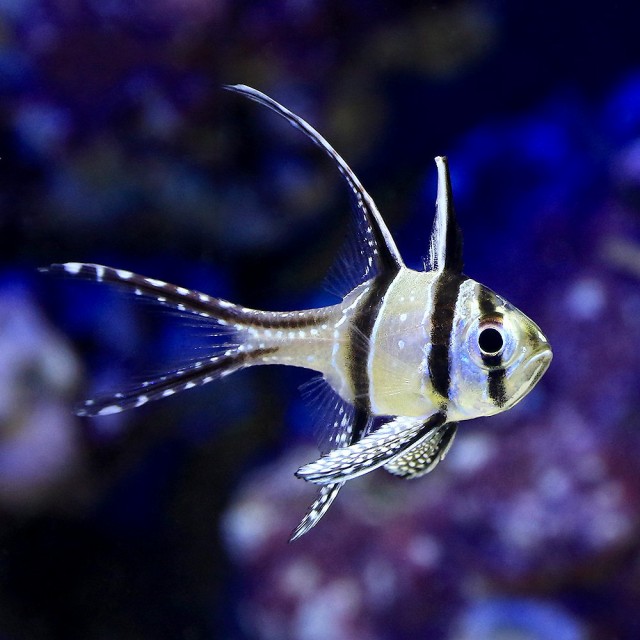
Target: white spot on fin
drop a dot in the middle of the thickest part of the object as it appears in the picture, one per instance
(73, 267)
(113, 408)
(142, 400)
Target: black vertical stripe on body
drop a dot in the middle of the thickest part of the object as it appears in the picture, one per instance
(361, 420)
(445, 296)
(362, 324)
(497, 391)
(497, 375)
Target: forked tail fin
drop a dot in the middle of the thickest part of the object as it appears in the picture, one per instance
(224, 313)
(190, 376)
(234, 323)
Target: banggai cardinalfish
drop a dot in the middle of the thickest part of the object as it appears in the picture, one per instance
(403, 358)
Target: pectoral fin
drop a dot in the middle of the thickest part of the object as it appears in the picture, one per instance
(371, 452)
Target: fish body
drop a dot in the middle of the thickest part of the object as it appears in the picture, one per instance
(404, 357)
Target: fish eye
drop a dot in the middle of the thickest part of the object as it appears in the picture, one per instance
(490, 341)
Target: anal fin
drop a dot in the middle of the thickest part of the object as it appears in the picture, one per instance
(318, 508)
(338, 424)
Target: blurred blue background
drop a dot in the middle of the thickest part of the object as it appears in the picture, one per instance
(118, 146)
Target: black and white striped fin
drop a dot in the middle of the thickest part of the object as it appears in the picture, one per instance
(371, 452)
(318, 508)
(179, 298)
(424, 456)
(193, 375)
(227, 322)
(445, 245)
(377, 249)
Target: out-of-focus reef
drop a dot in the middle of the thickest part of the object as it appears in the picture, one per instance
(118, 146)
(40, 448)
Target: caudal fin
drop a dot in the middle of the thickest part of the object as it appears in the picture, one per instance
(193, 375)
(224, 313)
(231, 322)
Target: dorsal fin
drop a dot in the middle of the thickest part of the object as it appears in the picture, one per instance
(445, 246)
(376, 245)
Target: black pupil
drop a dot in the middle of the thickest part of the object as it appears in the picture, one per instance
(490, 341)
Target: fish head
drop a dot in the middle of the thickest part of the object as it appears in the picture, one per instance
(501, 354)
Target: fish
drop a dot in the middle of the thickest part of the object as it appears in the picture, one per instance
(403, 358)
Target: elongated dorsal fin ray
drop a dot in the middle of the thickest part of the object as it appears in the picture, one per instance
(445, 246)
(375, 239)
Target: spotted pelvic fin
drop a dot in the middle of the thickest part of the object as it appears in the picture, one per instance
(424, 456)
(370, 452)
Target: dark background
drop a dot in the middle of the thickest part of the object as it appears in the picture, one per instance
(118, 146)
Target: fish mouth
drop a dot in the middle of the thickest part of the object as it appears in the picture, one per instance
(534, 369)
(538, 364)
